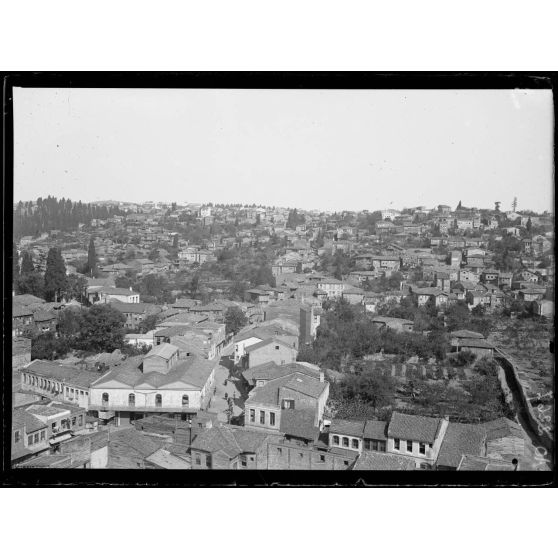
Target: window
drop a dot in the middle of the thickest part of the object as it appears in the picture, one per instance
(336, 440)
(381, 446)
(279, 451)
(30, 440)
(355, 443)
(322, 458)
(396, 444)
(252, 415)
(131, 400)
(262, 417)
(158, 400)
(276, 347)
(74, 421)
(410, 446)
(272, 419)
(104, 398)
(80, 420)
(17, 436)
(208, 461)
(243, 461)
(53, 426)
(36, 438)
(288, 404)
(43, 434)
(198, 459)
(345, 442)
(185, 401)
(422, 448)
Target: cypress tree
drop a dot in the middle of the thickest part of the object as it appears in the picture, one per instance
(91, 257)
(55, 275)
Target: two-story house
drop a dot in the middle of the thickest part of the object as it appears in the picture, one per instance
(298, 391)
(270, 350)
(417, 437)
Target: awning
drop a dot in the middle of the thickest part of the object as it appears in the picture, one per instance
(62, 438)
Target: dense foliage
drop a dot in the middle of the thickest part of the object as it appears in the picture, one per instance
(44, 215)
(347, 333)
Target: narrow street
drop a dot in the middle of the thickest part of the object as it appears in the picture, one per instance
(219, 403)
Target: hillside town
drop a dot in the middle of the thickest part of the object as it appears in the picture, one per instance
(218, 336)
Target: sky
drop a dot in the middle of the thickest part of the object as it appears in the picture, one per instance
(312, 149)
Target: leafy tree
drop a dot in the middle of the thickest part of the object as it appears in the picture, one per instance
(48, 347)
(27, 263)
(75, 288)
(102, 329)
(123, 282)
(263, 276)
(55, 275)
(156, 286)
(457, 316)
(237, 290)
(31, 283)
(478, 310)
(235, 320)
(69, 323)
(462, 358)
(149, 323)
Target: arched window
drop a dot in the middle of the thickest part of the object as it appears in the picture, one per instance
(105, 398)
(336, 440)
(158, 400)
(131, 400)
(185, 401)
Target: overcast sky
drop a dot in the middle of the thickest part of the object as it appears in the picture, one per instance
(324, 149)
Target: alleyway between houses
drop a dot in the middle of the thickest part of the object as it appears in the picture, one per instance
(219, 404)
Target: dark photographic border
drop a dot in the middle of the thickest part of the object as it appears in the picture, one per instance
(237, 80)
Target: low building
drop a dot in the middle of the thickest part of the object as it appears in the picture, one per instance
(479, 347)
(126, 393)
(460, 439)
(293, 391)
(417, 437)
(134, 312)
(381, 461)
(29, 436)
(270, 350)
(67, 384)
(225, 447)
